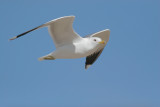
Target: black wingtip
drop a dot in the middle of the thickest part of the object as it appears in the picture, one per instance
(26, 32)
(87, 66)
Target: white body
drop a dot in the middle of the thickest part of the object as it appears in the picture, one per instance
(78, 49)
(69, 44)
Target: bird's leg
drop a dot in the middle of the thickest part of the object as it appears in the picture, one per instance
(46, 58)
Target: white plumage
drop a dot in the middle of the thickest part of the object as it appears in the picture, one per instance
(69, 44)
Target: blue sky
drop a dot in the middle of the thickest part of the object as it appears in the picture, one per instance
(125, 75)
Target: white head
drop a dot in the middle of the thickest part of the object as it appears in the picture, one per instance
(97, 40)
(92, 43)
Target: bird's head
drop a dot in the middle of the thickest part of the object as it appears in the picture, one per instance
(97, 40)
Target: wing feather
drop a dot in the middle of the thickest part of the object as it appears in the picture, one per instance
(61, 31)
(92, 58)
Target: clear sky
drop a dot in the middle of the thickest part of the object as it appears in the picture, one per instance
(127, 74)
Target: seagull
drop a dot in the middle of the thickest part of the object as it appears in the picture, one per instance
(69, 44)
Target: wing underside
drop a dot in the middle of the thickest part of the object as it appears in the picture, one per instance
(62, 32)
(60, 29)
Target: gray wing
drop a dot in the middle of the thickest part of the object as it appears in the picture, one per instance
(104, 35)
(60, 29)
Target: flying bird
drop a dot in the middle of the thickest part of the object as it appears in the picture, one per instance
(69, 44)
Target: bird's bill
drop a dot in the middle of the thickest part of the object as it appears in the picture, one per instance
(102, 42)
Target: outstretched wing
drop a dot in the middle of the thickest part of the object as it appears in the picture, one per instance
(104, 35)
(60, 30)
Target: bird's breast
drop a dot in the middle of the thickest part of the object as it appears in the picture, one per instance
(75, 50)
(84, 48)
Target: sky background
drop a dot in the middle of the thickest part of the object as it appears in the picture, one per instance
(127, 74)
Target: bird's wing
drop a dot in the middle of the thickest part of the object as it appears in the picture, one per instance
(61, 31)
(104, 35)
(92, 58)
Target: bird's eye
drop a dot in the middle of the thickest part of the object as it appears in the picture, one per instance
(95, 40)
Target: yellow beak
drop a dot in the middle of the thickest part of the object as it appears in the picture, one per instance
(102, 42)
